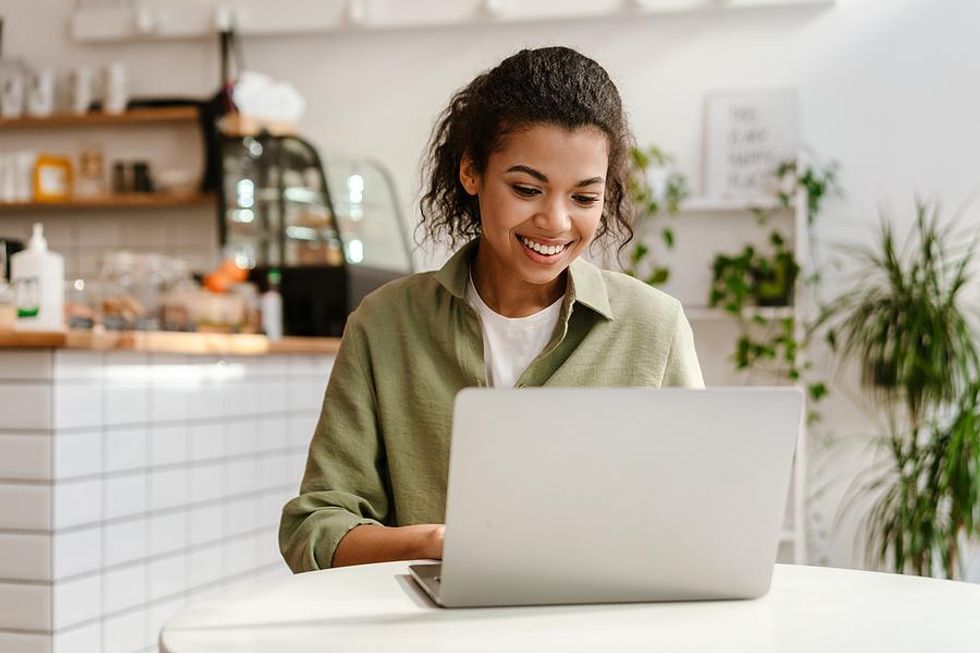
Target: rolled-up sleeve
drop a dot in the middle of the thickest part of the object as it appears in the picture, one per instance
(682, 369)
(344, 483)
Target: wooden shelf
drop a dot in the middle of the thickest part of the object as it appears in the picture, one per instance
(715, 205)
(166, 342)
(707, 313)
(117, 201)
(134, 116)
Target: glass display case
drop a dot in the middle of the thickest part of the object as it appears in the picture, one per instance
(334, 232)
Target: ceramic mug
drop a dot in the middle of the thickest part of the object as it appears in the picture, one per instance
(115, 96)
(80, 83)
(40, 93)
(11, 91)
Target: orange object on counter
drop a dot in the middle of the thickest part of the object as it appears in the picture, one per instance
(226, 276)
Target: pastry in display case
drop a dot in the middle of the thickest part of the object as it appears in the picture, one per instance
(333, 232)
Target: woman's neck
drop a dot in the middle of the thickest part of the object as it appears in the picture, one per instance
(506, 293)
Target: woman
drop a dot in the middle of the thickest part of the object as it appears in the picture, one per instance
(530, 162)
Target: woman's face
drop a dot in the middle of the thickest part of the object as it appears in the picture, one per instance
(541, 199)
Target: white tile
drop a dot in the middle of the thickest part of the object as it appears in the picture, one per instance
(25, 557)
(25, 507)
(206, 403)
(207, 483)
(169, 403)
(273, 395)
(158, 615)
(239, 517)
(25, 607)
(145, 233)
(77, 405)
(168, 445)
(125, 448)
(77, 503)
(305, 393)
(25, 365)
(125, 541)
(205, 441)
(75, 601)
(101, 232)
(168, 533)
(168, 488)
(275, 366)
(25, 457)
(240, 556)
(168, 576)
(240, 477)
(126, 404)
(270, 433)
(205, 524)
(77, 365)
(25, 406)
(77, 454)
(87, 639)
(123, 588)
(301, 429)
(125, 633)
(204, 566)
(240, 437)
(270, 471)
(126, 495)
(77, 552)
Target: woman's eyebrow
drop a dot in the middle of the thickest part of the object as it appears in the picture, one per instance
(540, 176)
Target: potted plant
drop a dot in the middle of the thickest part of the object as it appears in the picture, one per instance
(907, 328)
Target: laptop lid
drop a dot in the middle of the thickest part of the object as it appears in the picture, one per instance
(588, 495)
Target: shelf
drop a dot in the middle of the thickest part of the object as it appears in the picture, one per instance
(716, 205)
(707, 313)
(134, 116)
(117, 201)
(93, 24)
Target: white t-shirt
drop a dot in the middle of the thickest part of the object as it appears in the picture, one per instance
(510, 344)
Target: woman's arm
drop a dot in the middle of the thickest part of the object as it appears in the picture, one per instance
(371, 543)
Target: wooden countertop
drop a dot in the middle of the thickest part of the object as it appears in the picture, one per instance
(168, 342)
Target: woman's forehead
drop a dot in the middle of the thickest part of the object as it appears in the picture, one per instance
(574, 153)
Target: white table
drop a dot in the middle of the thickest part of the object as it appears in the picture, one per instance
(378, 608)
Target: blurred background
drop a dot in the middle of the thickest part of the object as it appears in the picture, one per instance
(806, 173)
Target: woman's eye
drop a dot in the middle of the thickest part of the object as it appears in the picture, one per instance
(526, 191)
(585, 200)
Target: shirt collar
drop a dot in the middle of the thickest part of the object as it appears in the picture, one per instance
(587, 285)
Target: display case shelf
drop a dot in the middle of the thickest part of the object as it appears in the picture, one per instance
(133, 116)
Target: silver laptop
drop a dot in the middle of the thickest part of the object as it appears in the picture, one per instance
(597, 495)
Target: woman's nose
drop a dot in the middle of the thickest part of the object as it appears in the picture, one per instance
(553, 217)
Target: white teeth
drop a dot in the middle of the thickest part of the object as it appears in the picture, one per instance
(547, 250)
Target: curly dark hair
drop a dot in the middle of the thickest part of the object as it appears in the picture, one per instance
(553, 85)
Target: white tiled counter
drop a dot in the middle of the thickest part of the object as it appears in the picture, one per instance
(131, 482)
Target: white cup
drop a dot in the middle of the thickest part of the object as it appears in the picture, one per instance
(116, 96)
(40, 93)
(81, 89)
(11, 91)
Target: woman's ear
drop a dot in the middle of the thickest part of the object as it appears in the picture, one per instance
(468, 175)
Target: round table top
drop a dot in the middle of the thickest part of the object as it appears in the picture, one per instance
(379, 607)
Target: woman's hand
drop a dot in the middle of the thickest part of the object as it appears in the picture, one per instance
(371, 543)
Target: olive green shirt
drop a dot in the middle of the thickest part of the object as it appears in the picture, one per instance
(380, 452)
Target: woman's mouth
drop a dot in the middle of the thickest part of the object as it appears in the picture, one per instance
(542, 249)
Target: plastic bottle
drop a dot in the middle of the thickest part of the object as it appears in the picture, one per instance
(271, 306)
(38, 277)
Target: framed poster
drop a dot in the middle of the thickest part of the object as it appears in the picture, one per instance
(747, 134)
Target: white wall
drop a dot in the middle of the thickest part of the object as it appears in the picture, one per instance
(887, 87)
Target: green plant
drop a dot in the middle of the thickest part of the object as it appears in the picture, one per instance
(752, 279)
(649, 204)
(905, 325)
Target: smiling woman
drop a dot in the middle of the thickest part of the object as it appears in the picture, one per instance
(526, 168)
